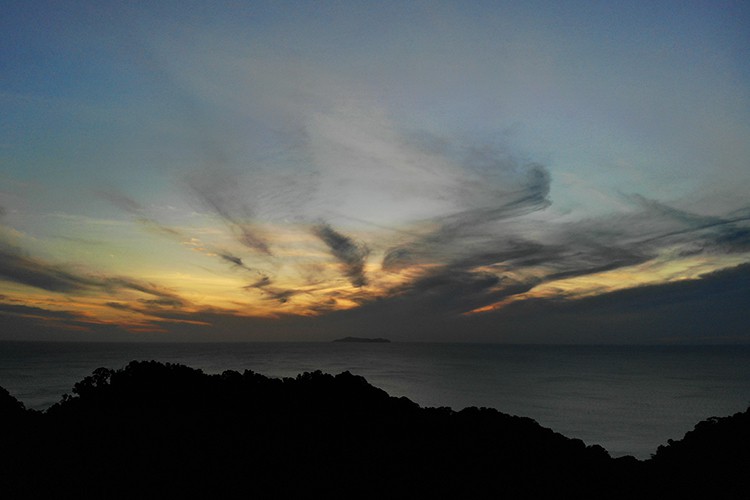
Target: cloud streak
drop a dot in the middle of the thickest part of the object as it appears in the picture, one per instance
(475, 264)
(22, 269)
(351, 255)
(131, 206)
(501, 191)
(19, 268)
(218, 190)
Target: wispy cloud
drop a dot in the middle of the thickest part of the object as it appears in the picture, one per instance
(468, 268)
(496, 189)
(20, 268)
(17, 267)
(218, 191)
(490, 240)
(162, 296)
(134, 208)
(350, 254)
(37, 312)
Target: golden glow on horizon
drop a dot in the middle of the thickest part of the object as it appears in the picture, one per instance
(180, 280)
(653, 272)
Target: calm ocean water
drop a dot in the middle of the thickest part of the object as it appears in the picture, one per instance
(627, 399)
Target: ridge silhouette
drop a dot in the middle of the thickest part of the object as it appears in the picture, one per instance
(152, 429)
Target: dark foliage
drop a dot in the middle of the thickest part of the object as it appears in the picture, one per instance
(151, 430)
(712, 460)
(10, 407)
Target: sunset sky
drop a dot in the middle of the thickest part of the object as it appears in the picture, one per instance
(542, 172)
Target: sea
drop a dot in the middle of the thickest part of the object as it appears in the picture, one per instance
(628, 399)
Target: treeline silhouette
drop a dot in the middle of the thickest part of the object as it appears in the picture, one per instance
(151, 430)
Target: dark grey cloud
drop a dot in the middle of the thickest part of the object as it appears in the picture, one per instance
(616, 241)
(17, 267)
(491, 270)
(229, 257)
(20, 322)
(37, 273)
(454, 291)
(232, 259)
(262, 282)
(658, 228)
(698, 229)
(120, 306)
(350, 254)
(131, 206)
(152, 307)
(498, 192)
(37, 312)
(218, 190)
(463, 249)
(281, 296)
(157, 227)
(733, 239)
(163, 296)
(710, 309)
(466, 282)
(269, 292)
(163, 302)
(121, 200)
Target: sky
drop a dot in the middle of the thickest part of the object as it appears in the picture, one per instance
(511, 172)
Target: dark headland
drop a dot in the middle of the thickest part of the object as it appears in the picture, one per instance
(153, 430)
(364, 340)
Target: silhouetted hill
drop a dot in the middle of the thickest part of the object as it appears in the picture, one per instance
(152, 430)
(712, 460)
(10, 407)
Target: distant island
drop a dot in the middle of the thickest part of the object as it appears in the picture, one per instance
(152, 430)
(365, 340)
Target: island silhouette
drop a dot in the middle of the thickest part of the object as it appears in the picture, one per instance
(152, 430)
(365, 340)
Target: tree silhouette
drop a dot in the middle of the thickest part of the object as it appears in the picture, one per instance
(152, 429)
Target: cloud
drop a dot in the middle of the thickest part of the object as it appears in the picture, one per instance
(282, 296)
(22, 322)
(264, 281)
(483, 247)
(37, 273)
(227, 256)
(131, 206)
(163, 297)
(121, 306)
(495, 191)
(219, 191)
(232, 259)
(269, 292)
(37, 312)
(19, 268)
(459, 257)
(682, 312)
(453, 290)
(351, 255)
(709, 309)
(121, 200)
(726, 231)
